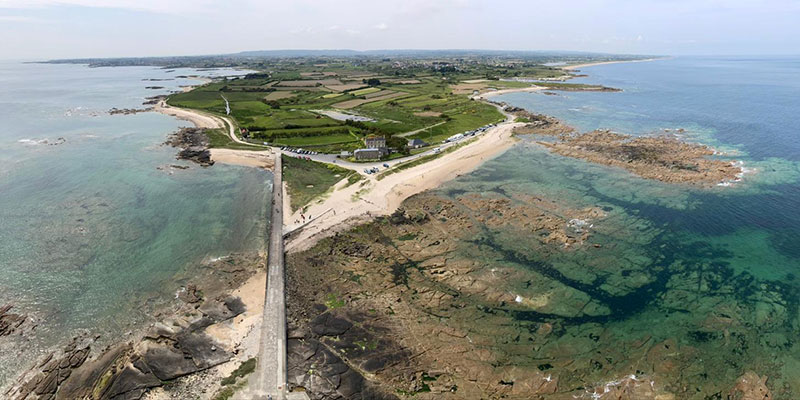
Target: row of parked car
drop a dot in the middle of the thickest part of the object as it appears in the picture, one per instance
(374, 170)
(298, 151)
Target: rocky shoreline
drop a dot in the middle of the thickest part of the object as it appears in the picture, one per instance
(185, 342)
(663, 157)
(193, 143)
(405, 306)
(128, 111)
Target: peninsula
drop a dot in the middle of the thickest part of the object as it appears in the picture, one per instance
(368, 265)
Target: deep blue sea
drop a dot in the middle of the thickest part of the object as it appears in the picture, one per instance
(96, 229)
(690, 288)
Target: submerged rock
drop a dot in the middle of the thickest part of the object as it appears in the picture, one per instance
(750, 386)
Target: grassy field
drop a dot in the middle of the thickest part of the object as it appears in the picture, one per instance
(305, 180)
(362, 92)
(276, 107)
(218, 138)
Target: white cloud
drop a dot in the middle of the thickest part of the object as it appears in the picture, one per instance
(381, 27)
(155, 6)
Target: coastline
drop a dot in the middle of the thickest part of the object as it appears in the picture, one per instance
(487, 95)
(592, 64)
(350, 205)
(247, 158)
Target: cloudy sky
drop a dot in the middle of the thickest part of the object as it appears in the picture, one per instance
(40, 29)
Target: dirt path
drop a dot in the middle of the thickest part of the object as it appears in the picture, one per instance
(420, 130)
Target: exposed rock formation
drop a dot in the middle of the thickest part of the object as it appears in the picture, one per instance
(125, 371)
(128, 111)
(9, 322)
(664, 158)
(153, 100)
(541, 125)
(194, 145)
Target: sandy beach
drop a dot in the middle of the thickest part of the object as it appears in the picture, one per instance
(484, 96)
(200, 120)
(579, 66)
(248, 158)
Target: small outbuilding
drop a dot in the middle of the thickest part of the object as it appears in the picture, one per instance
(416, 143)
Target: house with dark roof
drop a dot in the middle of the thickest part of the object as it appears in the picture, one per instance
(416, 143)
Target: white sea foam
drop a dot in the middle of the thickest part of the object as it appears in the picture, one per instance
(32, 141)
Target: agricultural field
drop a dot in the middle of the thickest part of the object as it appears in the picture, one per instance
(419, 100)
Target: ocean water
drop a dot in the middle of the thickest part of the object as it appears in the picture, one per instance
(687, 288)
(96, 230)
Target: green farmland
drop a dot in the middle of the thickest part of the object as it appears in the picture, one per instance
(280, 107)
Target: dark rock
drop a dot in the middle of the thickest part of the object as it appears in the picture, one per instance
(167, 362)
(194, 145)
(329, 325)
(131, 382)
(9, 322)
(200, 155)
(325, 376)
(128, 111)
(223, 310)
(203, 350)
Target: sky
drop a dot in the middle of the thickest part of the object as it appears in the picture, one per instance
(46, 29)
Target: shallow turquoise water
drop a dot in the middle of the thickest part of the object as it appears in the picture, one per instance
(93, 234)
(714, 271)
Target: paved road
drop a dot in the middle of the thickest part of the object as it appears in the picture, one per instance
(271, 373)
(360, 167)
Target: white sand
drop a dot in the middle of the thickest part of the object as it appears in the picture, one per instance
(578, 66)
(246, 158)
(199, 119)
(484, 96)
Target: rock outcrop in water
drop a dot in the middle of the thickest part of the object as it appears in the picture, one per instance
(664, 158)
(128, 111)
(9, 322)
(194, 145)
(541, 125)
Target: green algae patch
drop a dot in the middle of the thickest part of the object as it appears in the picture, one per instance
(243, 370)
